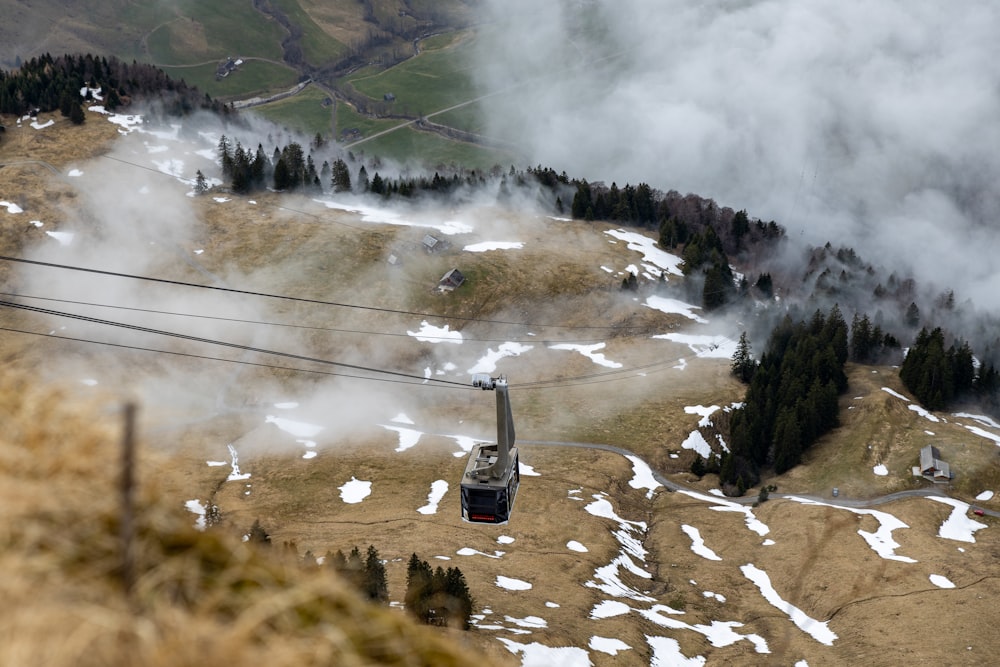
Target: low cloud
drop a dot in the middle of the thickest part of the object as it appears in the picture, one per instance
(866, 124)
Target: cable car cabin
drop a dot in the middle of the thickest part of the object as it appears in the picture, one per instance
(488, 499)
(492, 476)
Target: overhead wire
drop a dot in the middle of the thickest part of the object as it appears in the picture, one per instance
(232, 361)
(297, 299)
(590, 378)
(612, 375)
(246, 348)
(422, 336)
(601, 376)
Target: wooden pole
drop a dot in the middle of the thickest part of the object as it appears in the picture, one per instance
(128, 488)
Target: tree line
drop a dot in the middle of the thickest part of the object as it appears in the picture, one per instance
(437, 596)
(791, 400)
(434, 596)
(292, 167)
(47, 83)
(792, 397)
(706, 236)
(939, 376)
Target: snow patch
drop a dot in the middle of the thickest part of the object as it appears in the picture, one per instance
(697, 442)
(818, 630)
(589, 351)
(296, 428)
(698, 544)
(675, 307)
(706, 347)
(958, 526)
(355, 491)
(607, 645)
(431, 334)
(880, 541)
(488, 363)
(512, 584)
(642, 476)
(438, 489)
(494, 245)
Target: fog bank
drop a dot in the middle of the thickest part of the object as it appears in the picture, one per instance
(870, 124)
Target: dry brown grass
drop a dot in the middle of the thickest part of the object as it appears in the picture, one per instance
(204, 596)
(62, 144)
(198, 597)
(879, 428)
(26, 180)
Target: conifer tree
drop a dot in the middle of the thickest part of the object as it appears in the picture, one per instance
(376, 585)
(740, 226)
(743, 365)
(282, 176)
(260, 168)
(718, 287)
(336, 561)
(460, 599)
(862, 339)
(418, 587)
(213, 515)
(355, 569)
(225, 151)
(258, 535)
(582, 201)
(765, 285)
(698, 466)
(341, 180)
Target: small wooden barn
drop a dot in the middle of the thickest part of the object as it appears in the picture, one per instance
(451, 280)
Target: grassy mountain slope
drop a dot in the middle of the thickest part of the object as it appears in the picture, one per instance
(59, 484)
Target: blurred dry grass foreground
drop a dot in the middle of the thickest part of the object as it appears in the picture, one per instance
(198, 597)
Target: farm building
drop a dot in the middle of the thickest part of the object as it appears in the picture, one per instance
(451, 280)
(432, 244)
(932, 467)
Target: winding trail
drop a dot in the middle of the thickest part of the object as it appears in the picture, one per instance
(860, 503)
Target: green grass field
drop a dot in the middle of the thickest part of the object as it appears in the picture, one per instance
(254, 77)
(432, 150)
(303, 112)
(347, 118)
(409, 144)
(434, 80)
(317, 46)
(215, 30)
(468, 118)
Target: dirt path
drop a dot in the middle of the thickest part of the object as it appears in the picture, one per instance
(861, 503)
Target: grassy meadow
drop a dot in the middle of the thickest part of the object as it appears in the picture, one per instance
(434, 80)
(303, 113)
(214, 31)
